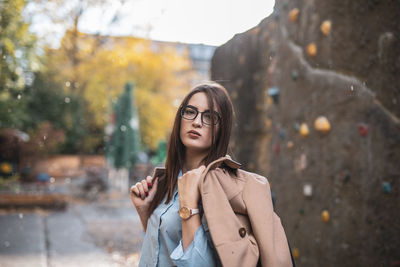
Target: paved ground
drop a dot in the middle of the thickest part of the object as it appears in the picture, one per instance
(104, 232)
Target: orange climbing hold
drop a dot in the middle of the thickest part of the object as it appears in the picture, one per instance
(312, 49)
(304, 130)
(326, 27)
(294, 14)
(325, 216)
(322, 124)
(295, 253)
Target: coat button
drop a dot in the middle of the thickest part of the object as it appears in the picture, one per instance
(242, 232)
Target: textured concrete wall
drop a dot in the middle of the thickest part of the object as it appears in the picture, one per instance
(354, 81)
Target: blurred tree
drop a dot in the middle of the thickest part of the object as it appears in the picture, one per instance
(124, 146)
(82, 134)
(45, 101)
(160, 154)
(17, 59)
(158, 73)
(107, 63)
(44, 140)
(93, 69)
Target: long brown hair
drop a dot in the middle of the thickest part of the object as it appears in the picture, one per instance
(216, 95)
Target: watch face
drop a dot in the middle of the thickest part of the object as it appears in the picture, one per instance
(184, 212)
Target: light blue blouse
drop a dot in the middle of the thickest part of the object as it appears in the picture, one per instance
(162, 243)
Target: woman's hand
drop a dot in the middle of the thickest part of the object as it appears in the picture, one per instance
(189, 196)
(188, 187)
(142, 193)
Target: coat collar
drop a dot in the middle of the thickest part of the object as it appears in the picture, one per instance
(227, 160)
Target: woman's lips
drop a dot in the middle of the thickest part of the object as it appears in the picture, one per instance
(194, 133)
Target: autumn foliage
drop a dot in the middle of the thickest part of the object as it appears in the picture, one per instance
(96, 68)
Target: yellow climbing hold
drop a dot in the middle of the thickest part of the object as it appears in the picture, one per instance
(304, 130)
(294, 14)
(326, 27)
(322, 124)
(6, 167)
(312, 49)
(325, 216)
(295, 253)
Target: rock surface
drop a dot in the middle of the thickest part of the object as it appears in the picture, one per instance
(353, 80)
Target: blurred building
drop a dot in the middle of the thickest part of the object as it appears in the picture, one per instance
(199, 54)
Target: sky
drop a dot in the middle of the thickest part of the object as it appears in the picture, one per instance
(212, 22)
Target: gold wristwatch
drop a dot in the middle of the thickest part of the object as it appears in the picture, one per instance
(185, 212)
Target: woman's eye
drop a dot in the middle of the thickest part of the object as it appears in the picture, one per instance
(189, 112)
(207, 116)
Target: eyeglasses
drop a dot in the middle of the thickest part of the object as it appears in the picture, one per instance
(207, 117)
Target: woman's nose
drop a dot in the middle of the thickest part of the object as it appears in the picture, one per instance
(197, 120)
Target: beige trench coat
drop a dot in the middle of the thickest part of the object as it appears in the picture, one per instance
(240, 216)
(242, 223)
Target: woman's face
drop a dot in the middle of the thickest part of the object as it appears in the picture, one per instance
(195, 135)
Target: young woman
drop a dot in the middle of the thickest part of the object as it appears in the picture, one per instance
(170, 205)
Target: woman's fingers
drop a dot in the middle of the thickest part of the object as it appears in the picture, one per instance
(139, 186)
(134, 190)
(145, 187)
(149, 181)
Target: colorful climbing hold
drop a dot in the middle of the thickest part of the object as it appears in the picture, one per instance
(386, 187)
(296, 126)
(307, 190)
(294, 14)
(304, 129)
(312, 49)
(5, 167)
(322, 124)
(274, 93)
(325, 216)
(326, 27)
(363, 129)
(295, 253)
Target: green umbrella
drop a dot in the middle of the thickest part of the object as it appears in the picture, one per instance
(124, 144)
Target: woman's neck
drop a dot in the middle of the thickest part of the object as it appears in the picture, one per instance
(192, 160)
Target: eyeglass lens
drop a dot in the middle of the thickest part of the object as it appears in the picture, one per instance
(190, 113)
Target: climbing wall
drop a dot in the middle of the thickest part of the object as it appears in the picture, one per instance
(316, 90)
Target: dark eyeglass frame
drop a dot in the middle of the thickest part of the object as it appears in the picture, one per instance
(202, 114)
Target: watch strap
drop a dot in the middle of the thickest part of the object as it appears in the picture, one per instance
(194, 211)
